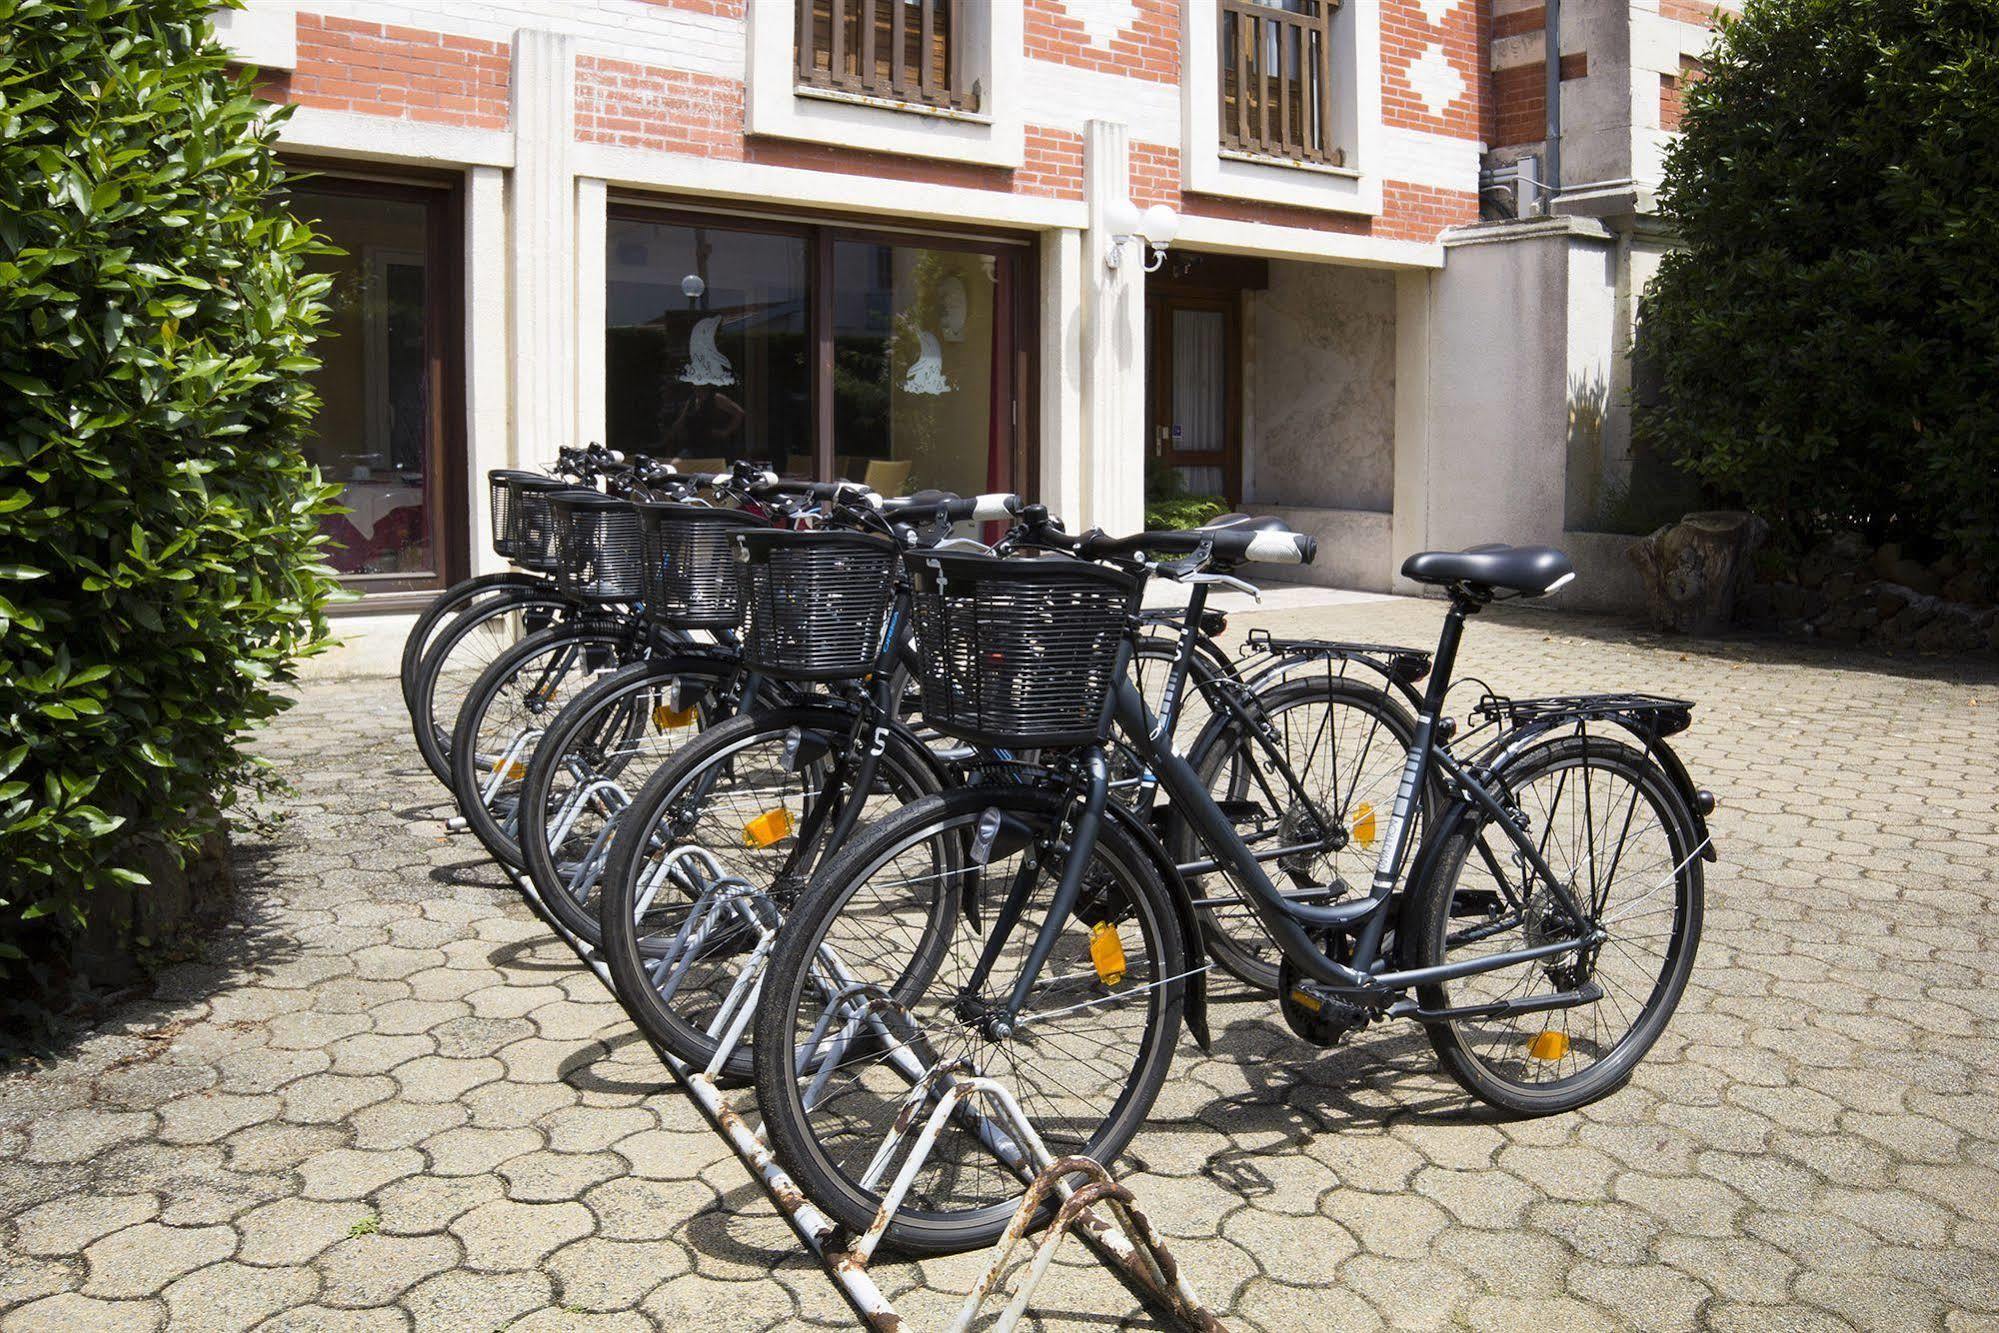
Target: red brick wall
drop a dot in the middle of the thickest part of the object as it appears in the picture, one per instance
(664, 110)
(1464, 34)
(1692, 11)
(1148, 49)
(406, 73)
(1673, 91)
(1052, 163)
(1519, 96)
(728, 9)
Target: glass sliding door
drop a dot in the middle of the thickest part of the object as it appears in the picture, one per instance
(914, 336)
(388, 420)
(706, 358)
(820, 351)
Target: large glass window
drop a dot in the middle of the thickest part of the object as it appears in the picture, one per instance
(913, 367)
(706, 353)
(820, 353)
(383, 379)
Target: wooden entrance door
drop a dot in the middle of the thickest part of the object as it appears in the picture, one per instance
(1194, 397)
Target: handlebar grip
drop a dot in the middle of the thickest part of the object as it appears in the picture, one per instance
(1281, 548)
(994, 508)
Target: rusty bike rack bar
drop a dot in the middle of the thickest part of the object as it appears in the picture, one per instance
(1128, 1243)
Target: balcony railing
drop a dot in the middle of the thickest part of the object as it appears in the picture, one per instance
(897, 50)
(1276, 84)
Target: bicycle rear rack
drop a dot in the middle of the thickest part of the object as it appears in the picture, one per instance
(1127, 1242)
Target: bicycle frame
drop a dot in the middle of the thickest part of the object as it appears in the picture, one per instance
(1367, 978)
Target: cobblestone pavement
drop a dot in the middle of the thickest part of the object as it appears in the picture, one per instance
(387, 1099)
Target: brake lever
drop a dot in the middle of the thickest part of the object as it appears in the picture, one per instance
(1226, 581)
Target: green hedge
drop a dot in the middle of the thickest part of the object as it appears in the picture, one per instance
(1828, 337)
(159, 569)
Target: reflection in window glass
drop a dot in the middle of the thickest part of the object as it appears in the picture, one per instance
(913, 368)
(373, 431)
(706, 346)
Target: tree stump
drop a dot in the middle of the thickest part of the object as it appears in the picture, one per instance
(1695, 569)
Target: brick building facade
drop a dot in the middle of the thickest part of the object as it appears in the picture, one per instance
(878, 236)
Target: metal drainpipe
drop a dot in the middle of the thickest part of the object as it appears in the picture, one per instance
(1552, 42)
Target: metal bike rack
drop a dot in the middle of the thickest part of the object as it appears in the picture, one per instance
(1126, 1242)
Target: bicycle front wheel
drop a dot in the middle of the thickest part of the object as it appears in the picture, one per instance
(459, 654)
(595, 756)
(1614, 827)
(509, 711)
(714, 849)
(906, 914)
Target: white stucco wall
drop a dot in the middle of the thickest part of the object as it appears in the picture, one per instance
(1321, 388)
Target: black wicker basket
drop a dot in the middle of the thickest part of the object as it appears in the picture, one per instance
(692, 577)
(813, 602)
(530, 530)
(501, 498)
(597, 542)
(1018, 654)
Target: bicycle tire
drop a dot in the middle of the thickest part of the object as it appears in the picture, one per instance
(906, 772)
(1471, 1058)
(461, 652)
(449, 603)
(636, 685)
(932, 1225)
(562, 651)
(1232, 931)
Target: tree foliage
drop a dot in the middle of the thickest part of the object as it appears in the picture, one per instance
(159, 569)
(1828, 338)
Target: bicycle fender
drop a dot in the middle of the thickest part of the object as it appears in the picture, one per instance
(1514, 744)
(1196, 1012)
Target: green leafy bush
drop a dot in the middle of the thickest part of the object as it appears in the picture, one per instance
(1828, 339)
(158, 560)
(1183, 511)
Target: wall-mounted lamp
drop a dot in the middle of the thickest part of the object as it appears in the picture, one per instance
(1154, 230)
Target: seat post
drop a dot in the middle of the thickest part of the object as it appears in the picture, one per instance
(1463, 604)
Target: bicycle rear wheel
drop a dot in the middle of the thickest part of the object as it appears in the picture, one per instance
(1347, 743)
(906, 910)
(1612, 825)
(594, 757)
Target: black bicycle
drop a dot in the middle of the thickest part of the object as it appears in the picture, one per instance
(1034, 931)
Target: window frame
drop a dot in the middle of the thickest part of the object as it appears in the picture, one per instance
(446, 462)
(1016, 319)
(1354, 75)
(779, 106)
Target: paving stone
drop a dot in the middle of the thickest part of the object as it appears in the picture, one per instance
(597, 1274)
(209, 1117)
(503, 1235)
(474, 1152)
(375, 1269)
(77, 1136)
(294, 1231)
(68, 1313)
(226, 1297)
(142, 1259)
(64, 1226)
(461, 1300)
(352, 1173)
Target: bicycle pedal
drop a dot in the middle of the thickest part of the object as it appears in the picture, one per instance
(1240, 812)
(1318, 1017)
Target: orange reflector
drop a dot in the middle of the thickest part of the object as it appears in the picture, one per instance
(512, 769)
(1363, 824)
(769, 827)
(1305, 1001)
(1550, 1045)
(666, 719)
(1107, 952)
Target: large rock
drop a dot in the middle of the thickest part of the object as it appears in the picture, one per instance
(1694, 570)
